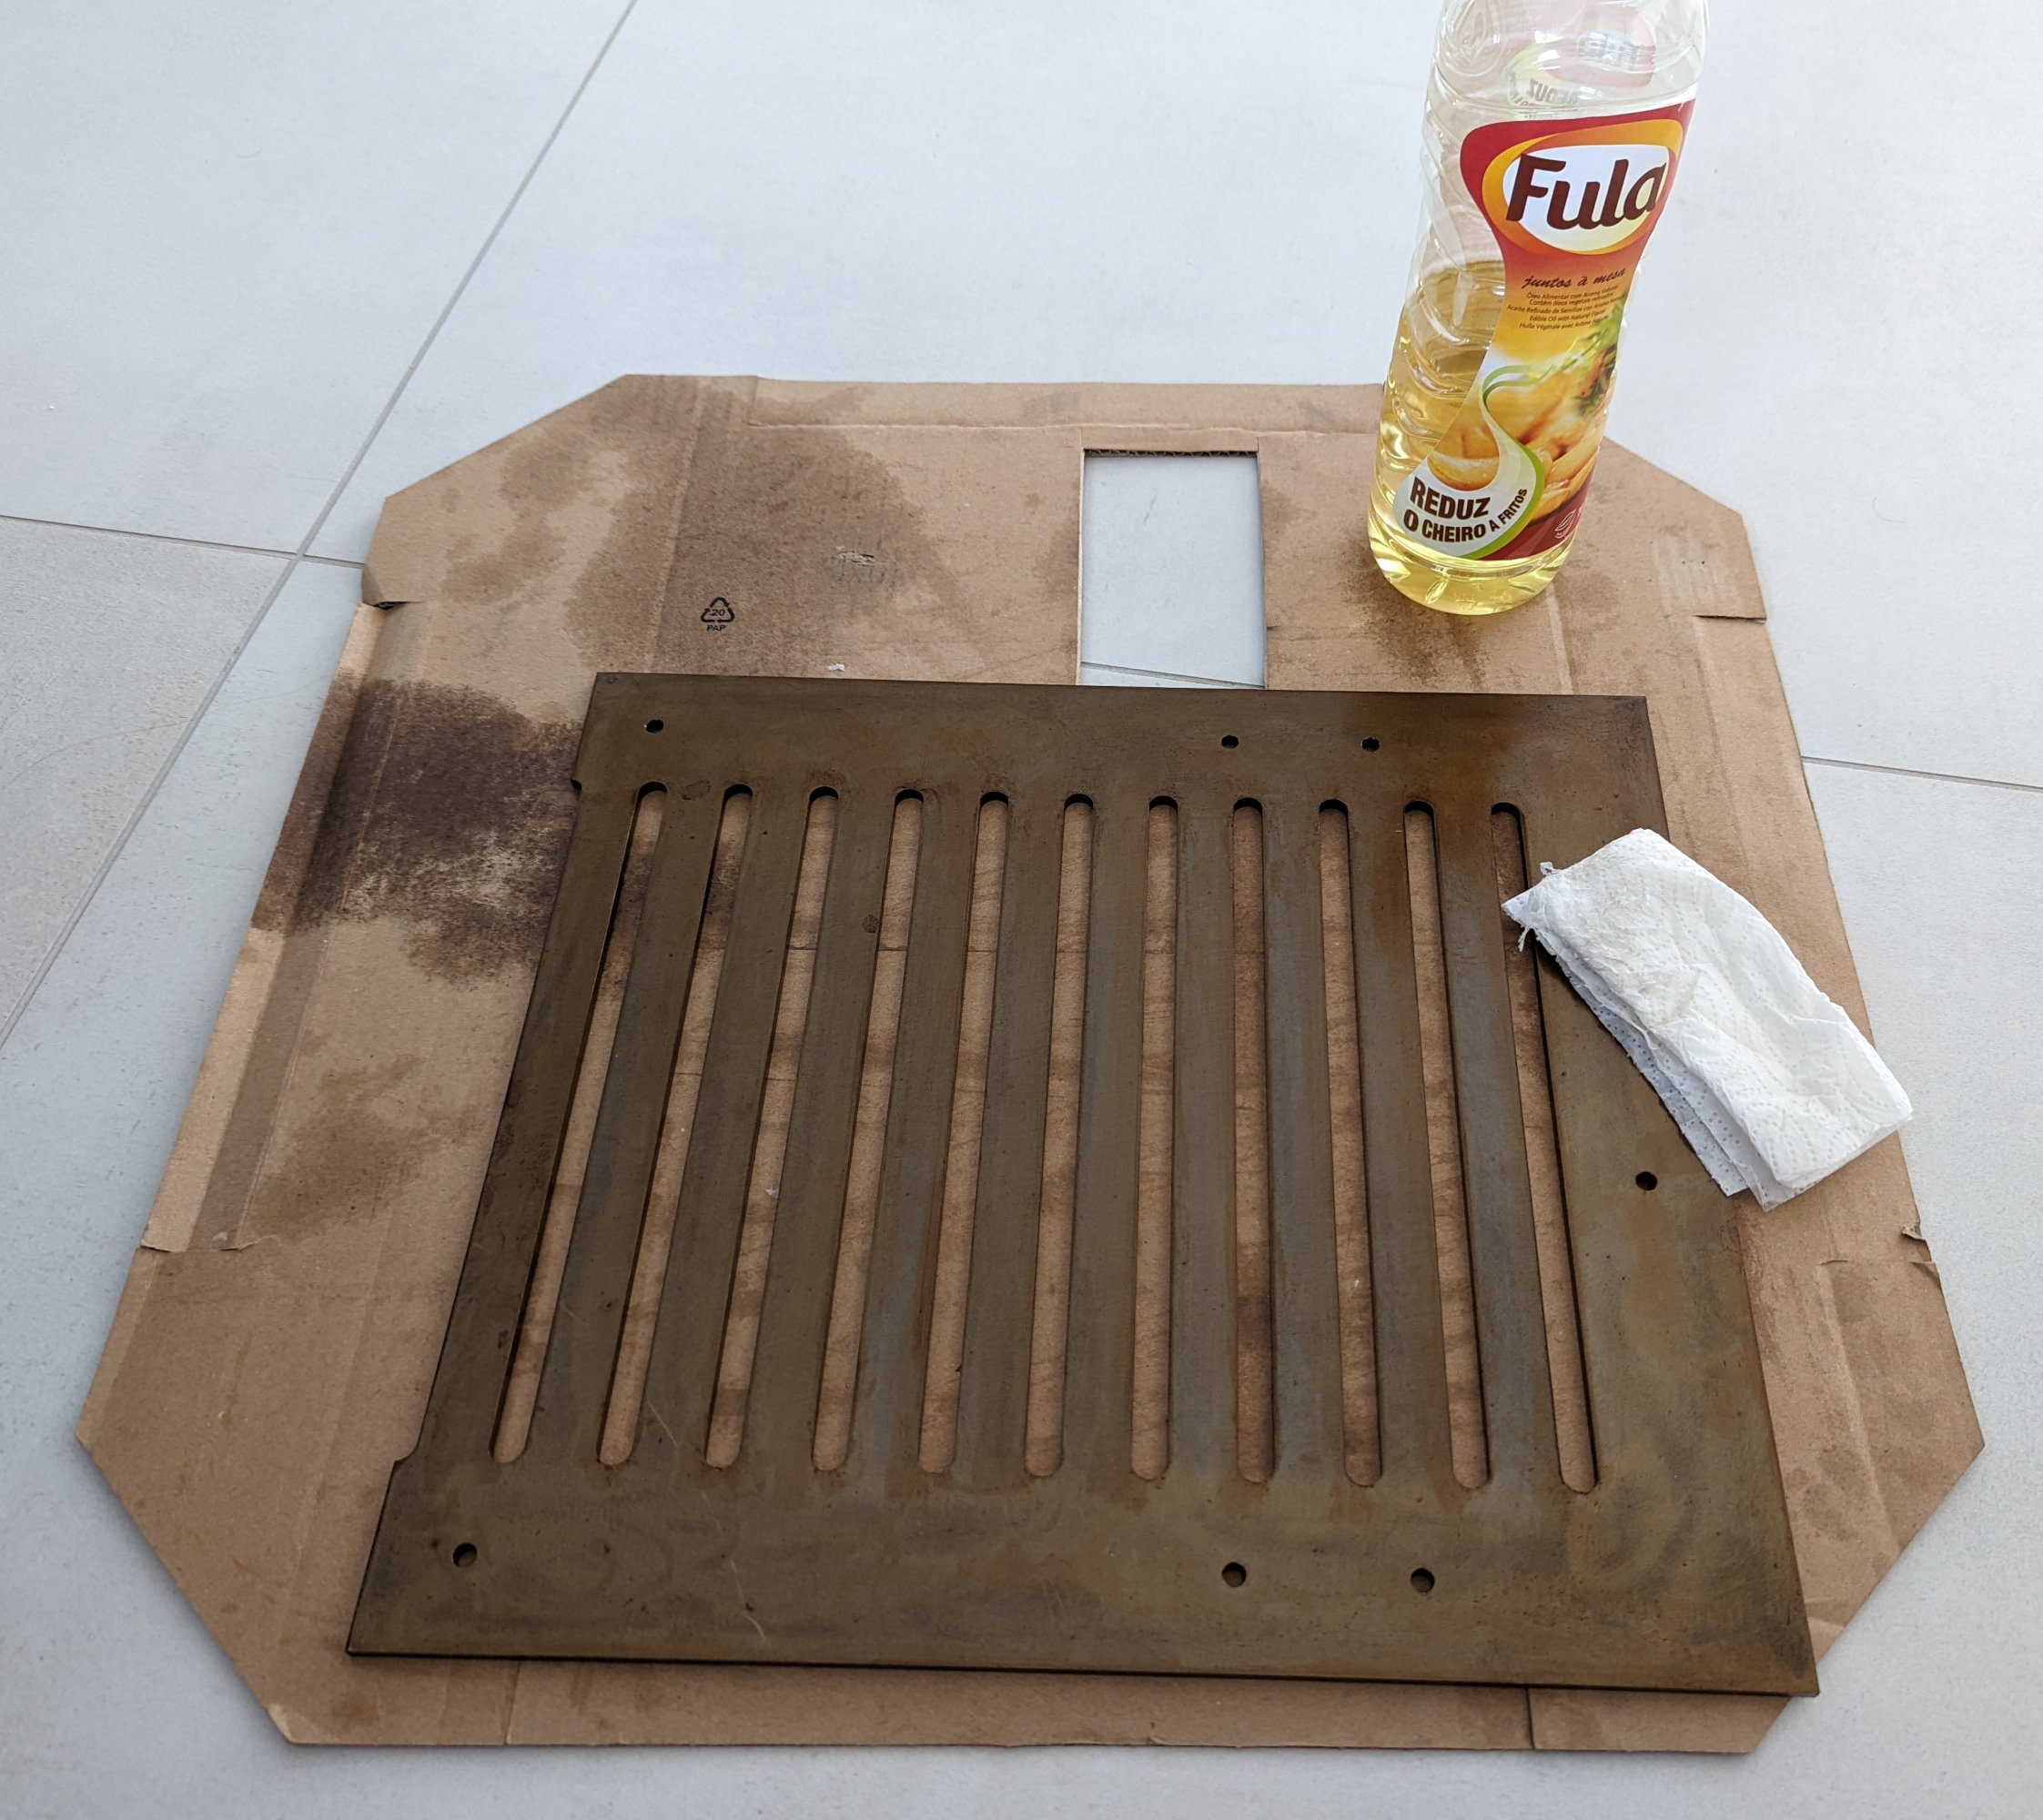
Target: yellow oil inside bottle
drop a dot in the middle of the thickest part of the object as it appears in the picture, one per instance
(1442, 336)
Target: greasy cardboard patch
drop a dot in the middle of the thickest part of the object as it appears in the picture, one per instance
(753, 568)
(450, 810)
(304, 1248)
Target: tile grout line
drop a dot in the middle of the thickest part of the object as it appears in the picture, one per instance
(291, 558)
(187, 542)
(20, 1006)
(475, 265)
(1933, 776)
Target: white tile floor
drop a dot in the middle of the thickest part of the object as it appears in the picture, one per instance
(237, 223)
(266, 264)
(114, 645)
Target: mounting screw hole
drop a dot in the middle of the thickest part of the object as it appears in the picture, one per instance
(654, 726)
(1646, 1179)
(464, 1556)
(1421, 1581)
(1234, 1573)
(1229, 741)
(1373, 745)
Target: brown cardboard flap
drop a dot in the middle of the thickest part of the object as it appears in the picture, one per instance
(1192, 411)
(272, 1355)
(602, 1702)
(1717, 1724)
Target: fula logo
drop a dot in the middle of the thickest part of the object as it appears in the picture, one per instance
(718, 614)
(1584, 193)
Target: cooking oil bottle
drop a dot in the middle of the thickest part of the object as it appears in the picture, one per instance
(1554, 131)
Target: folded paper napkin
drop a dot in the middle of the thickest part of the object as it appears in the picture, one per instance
(1768, 1079)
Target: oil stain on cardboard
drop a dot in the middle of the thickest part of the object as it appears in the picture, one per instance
(791, 528)
(451, 811)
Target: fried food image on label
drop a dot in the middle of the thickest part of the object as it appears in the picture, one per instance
(1557, 411)
(1466, 457)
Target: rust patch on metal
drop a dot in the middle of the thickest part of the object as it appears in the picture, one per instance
(1202, 1497)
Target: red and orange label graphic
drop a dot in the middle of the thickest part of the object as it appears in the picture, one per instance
(1572, 204)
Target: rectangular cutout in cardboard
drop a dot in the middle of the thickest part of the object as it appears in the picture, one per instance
(1171, 569)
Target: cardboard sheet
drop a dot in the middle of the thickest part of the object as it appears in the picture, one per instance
(272, 1353)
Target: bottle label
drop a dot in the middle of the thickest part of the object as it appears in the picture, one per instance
(1571, 204)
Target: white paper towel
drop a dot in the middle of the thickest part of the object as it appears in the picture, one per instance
(1768, 1079)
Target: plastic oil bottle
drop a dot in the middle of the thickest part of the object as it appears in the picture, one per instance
(1554, 131)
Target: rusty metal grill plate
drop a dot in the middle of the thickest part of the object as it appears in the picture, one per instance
(1673, 1569)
